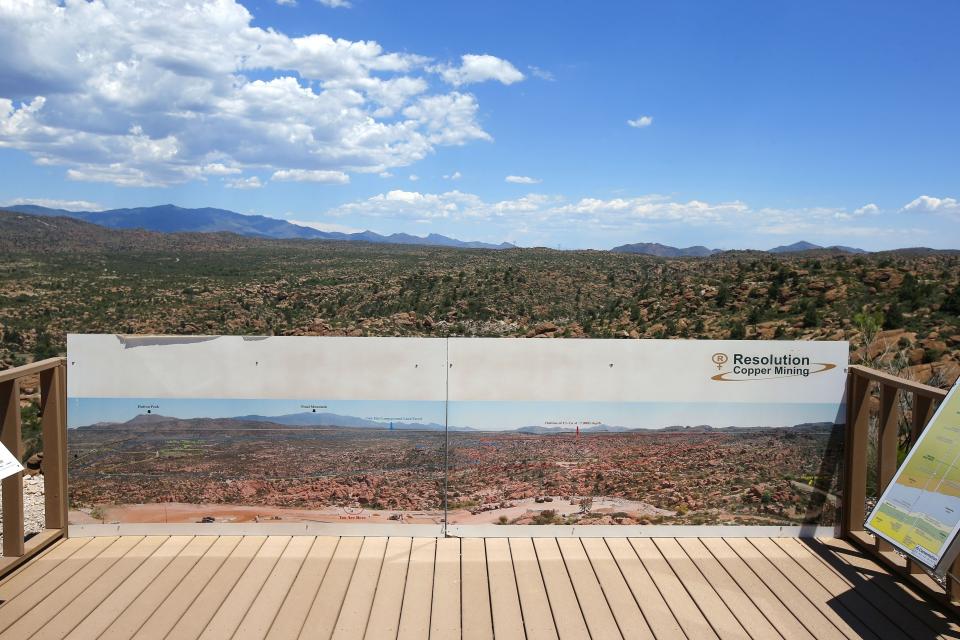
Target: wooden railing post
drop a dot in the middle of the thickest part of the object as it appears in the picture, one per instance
(855, 487)
(888, 428)
(53, 423)
(12, 486)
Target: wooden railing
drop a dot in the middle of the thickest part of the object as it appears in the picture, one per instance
(53, 431)
(901, 405)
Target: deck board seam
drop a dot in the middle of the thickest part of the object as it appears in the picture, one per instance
(403, 591)
(896, 598)
(709, 585)
(173, 590)
(751, 598)
(777, 595)
(841, 604)
(573, 587)
(373, 597)
(866, 601)
(596, 577)
(326, 572)
(673, 613)
(259, 589)
(543, 581)
(273, 618)
(22, 568)
(326, 569)
(516, 584)
(69, 578)
(207, 584)
(123, 582)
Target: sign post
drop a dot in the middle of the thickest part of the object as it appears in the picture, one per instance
(919, 512)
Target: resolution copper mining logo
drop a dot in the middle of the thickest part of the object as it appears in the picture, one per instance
(765, 367)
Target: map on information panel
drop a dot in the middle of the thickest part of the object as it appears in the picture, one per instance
(920, 510)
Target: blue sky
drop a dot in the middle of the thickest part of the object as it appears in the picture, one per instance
(491, 416)
(754, 123)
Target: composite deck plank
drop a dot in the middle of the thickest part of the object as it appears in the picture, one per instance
(99, 590)
(325, 610)
(260, 614)
(418, 591)
(28, 596)
(663, 623)
(146, 602)
(623, 606)
(750, 617)
(504, 599)
(713, 607)
(288, 622)
(563, 599)
(384, 622)
(475, 591)
(110, 608)
(186, 611)
(445, 610)
(867, 601)
(833, 609)
(854, 563)
(781, 617)
(230, 612)
(809, 614)
(537, 616)
(691, 619)
(355, 611)
(593, 603)
(40, 566)
(41, 611)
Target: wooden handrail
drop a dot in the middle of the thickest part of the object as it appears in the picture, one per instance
(31, 369)
(53, 423)
(900, 383)
(863, 384)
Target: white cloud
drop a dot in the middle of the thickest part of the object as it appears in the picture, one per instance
(327, 226)
(479, 68)
(456, 175)
(307, 175)
(385, 174)
(543, 74)
(287, 3)
(641, 122)
(336, 4)
(929, 204)
(867, 209)
(253, 182)
(164, 92)
(69, 205)
(414, 177)
(522, 180)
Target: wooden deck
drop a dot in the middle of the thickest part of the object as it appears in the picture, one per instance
(250, 587)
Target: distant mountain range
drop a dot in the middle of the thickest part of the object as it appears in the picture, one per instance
(665, 251)
(310, 419)
(169, 218)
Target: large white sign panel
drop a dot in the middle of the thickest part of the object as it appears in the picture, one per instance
(453, 431)
(919, 512)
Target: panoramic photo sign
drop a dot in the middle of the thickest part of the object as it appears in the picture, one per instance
(919, 512)
(459, 431)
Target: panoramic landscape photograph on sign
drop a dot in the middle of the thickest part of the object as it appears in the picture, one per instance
(754, 444)
(920, 510)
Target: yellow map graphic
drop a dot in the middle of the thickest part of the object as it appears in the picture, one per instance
(921, 508)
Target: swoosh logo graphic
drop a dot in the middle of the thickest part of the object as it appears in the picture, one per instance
(722, 377)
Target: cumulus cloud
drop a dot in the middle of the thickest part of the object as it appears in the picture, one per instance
(157, 93)
(456, 175)
(867, 209)
(68, 205)
(336, 4)
(479, 68)
(929, 204)
(522, 180)
(307, 175)
(641, 122)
